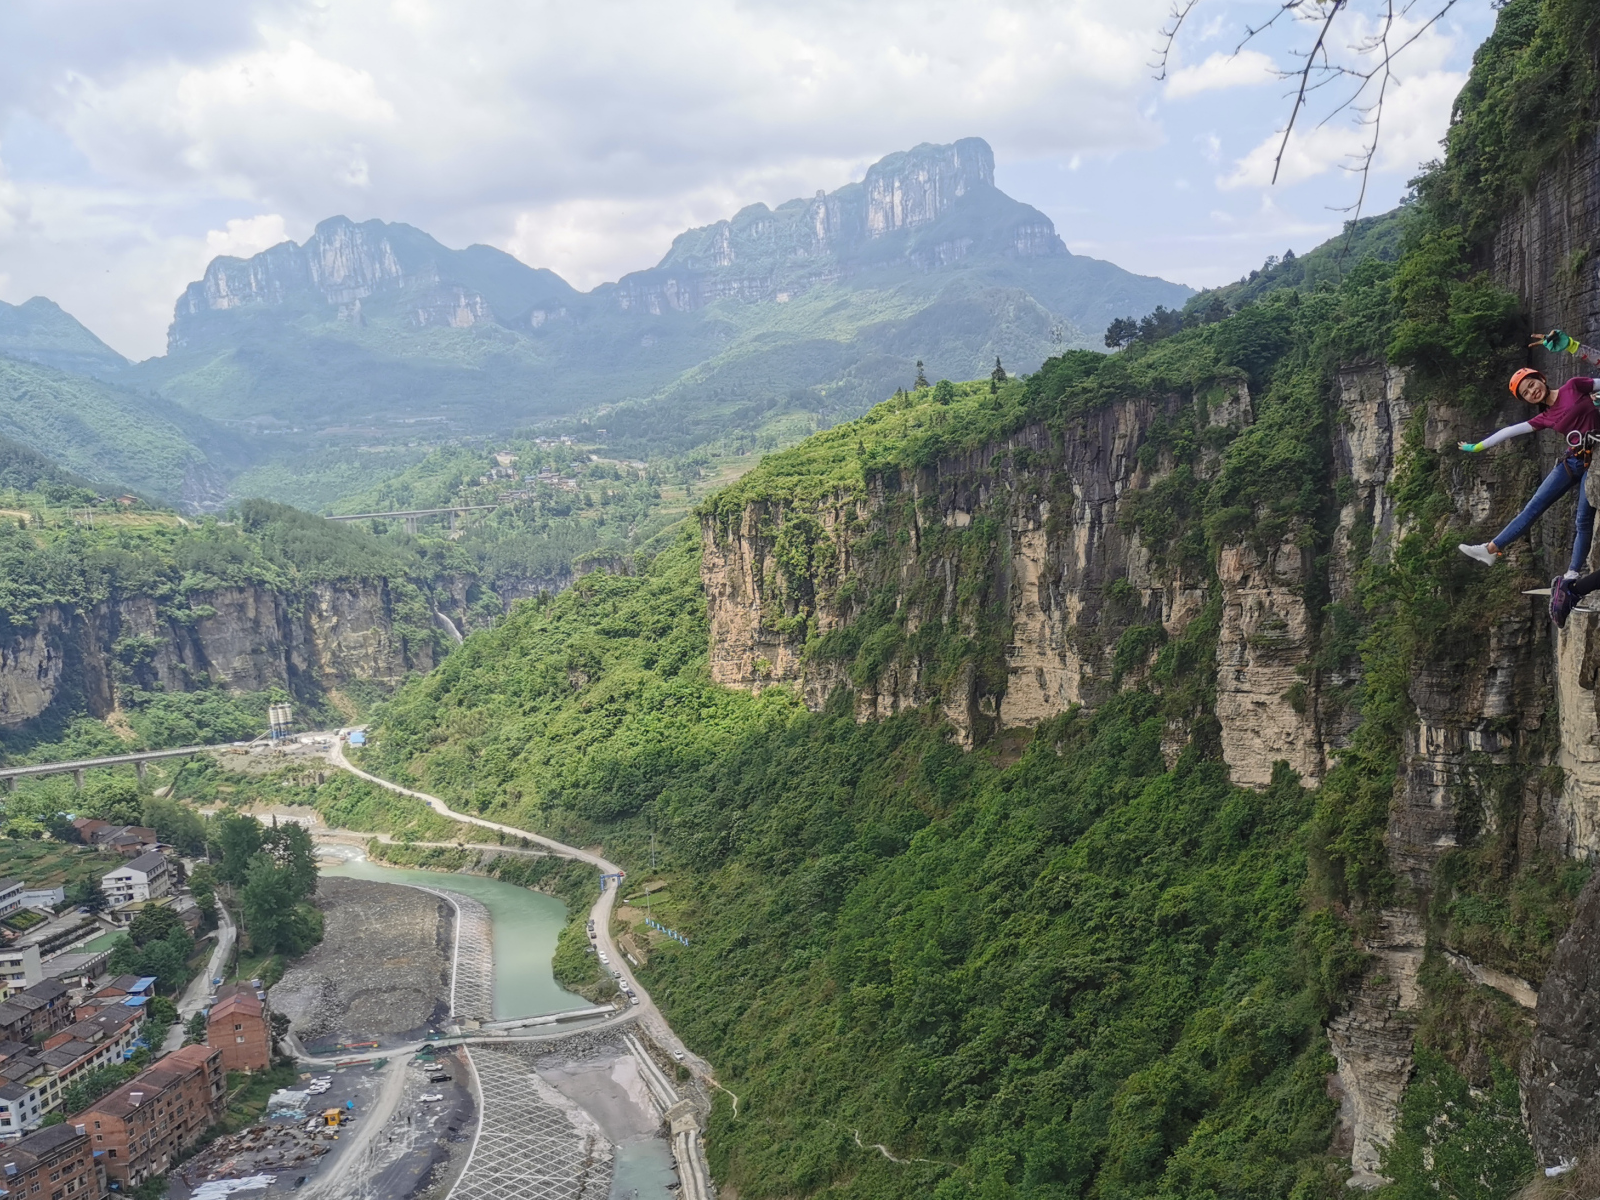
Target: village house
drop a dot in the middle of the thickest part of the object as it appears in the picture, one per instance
(239, 1026)
(19, 968)
(145, 878)
(35, 1082)
(143, 1125)
(58, 1162)
(40, 1009)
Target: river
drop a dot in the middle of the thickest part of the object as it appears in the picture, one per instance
(526, 925)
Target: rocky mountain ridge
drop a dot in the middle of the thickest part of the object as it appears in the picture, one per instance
(824, 304)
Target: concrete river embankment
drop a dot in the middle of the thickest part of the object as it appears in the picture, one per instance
(577, 1113)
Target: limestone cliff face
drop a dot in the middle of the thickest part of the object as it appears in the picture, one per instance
(349, 272)
(31, 666)
(241, 639)
(1037, 536)
(1033, 536)
(343, 262)
(1544, 251)
(916, 188)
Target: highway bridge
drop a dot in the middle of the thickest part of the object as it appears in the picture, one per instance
(76, 767)
(412, 515)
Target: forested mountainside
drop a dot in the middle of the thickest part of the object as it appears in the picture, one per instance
(1114, 782)
(179, 631)
(819, 305)
(38, 331)
(110, 605)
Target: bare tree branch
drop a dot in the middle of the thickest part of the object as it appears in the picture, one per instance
(1334, 9)
(1250, 34)
(1385, 65)
(1169, 34)
(1371, 76)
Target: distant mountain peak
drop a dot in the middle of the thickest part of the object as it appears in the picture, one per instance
(927, 207)
(41, 331)
(345, 266)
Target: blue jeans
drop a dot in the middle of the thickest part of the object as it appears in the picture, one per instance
(1563, 477)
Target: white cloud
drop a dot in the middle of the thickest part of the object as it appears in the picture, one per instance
(1247, 68)
(245, 236)
(579, 135)
(1415, 117)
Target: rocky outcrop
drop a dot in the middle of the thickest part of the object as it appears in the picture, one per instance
(347, 271)
(905, 191)
(1263, 651)
(241, 639)
(1371, 1042)
(32, 664)
(342, 262)
(452, 306)
(1561, 1069)
(931, 205)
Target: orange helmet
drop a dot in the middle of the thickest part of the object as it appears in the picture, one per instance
(1526, 373)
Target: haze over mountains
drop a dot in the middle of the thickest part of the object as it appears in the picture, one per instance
(821, 306)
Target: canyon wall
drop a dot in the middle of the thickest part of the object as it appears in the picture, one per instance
(1041, 537)
(1032, 535)
(241, 639)
(1545, 251)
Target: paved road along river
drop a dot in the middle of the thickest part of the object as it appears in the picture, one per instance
(696, 1176)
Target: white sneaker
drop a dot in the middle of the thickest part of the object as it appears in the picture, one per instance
(1481, 552)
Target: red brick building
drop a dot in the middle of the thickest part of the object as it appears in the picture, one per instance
(238, 1026)
(53, 1164)
(142, 1125)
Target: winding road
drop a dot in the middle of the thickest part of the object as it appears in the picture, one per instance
(645, 1012)
(199, 990)
(696, 1177)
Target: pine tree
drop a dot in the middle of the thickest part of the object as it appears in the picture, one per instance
(922, 380)
(997, 376)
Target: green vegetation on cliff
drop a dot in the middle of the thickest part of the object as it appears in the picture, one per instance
(1081, 967)
(1065, 964)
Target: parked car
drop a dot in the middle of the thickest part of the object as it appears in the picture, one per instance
(430, 1097)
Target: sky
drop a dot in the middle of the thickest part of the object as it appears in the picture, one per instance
(141, 138)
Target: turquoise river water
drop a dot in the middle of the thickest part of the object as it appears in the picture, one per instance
(526, 925)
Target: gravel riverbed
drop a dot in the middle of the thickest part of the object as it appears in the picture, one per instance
(381, 973)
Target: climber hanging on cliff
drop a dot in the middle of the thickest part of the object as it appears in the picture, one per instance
(1571, 410)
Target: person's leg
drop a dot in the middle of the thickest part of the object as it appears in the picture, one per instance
(1555, 486)
(1583, 533)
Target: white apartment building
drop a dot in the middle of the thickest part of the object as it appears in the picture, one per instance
(11, 893)
(19, 968)
(144, 878)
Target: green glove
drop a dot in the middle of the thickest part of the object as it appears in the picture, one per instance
(1469, 447)
(1555, 341)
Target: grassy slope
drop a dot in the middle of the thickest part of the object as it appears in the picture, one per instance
(109, 434)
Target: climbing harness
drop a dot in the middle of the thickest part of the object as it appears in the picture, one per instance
(1581, 446)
